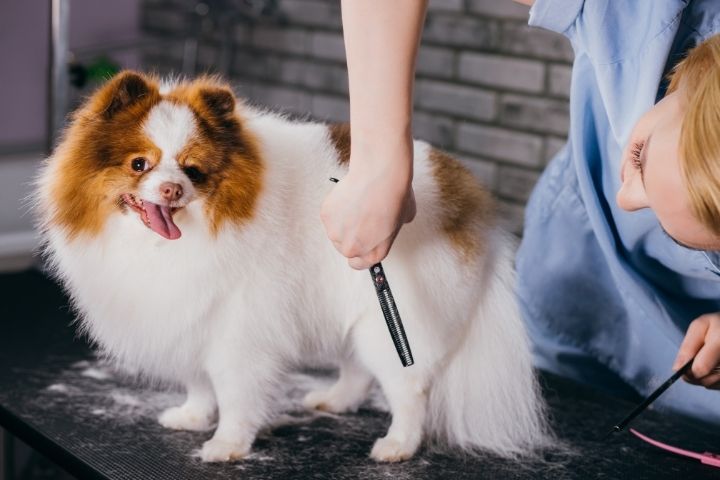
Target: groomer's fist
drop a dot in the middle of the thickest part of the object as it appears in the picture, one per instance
(702, 341)
(365, 211)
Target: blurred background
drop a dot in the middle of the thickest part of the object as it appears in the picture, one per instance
(490, 90)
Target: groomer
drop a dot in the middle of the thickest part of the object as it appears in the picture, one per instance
(618, 275)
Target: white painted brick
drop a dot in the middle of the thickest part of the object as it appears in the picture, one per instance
(276, 97)
(328, 46)
(436, 62)
(502, 72)
(461, 31)
(516, 183)
(539, 114)
(455, 99)
(329, 108)
(291, 71)
(208, 56)
(434, 129)
(243, 35)
(327, 77)
(318, 76)
(256, 65)
(280, 39)
(312, 13)
(515, 147)
(560, 76)
(445, 6)
(522, 39)
(499, 8)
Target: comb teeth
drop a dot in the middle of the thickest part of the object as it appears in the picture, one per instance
(391, 314)
(397, 332)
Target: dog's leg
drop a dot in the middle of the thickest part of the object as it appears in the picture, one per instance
(406, 390)
(243, 390)
(346, 394)
(407, 398)
(198, 411)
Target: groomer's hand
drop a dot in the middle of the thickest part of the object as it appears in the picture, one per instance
(365, 210)
(702, 341)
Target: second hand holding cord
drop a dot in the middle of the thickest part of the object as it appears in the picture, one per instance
(390, 311)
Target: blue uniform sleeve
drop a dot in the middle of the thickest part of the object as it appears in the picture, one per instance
(555, 15)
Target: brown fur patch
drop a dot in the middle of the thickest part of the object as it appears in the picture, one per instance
(105, 135)
(467, 207)
(93, 160)
(340, 137)
(226, 153)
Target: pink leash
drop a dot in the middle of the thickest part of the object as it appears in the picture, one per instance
(707, 458)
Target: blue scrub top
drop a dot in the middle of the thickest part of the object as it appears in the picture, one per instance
(606, 294)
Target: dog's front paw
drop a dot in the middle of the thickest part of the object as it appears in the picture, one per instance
(186, 418)
(217, 450)
(326, 401)
(388, 449)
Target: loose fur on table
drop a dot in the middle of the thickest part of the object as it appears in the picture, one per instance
(185, 226)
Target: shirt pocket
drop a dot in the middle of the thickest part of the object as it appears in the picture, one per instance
(610, 31)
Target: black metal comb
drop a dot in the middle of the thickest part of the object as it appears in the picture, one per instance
(390, 311)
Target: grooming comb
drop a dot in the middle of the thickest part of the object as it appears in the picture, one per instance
(390, 311)
(650, 399)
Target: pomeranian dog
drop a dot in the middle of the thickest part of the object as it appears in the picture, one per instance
(185, 226)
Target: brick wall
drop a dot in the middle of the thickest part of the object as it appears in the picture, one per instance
(489, 89)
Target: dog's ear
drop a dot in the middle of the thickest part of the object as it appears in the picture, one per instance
(219, 101)
(121, 92)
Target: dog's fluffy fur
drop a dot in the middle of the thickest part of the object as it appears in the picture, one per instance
(185, 225)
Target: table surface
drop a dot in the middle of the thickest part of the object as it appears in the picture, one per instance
(59, 398)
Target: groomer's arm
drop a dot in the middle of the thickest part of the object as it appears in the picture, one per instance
(364, 212)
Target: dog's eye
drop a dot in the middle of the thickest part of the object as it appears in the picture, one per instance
(194, 174)
(139, 164)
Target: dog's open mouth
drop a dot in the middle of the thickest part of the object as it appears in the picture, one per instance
(156, 217)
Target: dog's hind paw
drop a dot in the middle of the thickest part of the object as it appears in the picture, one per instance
(388, 449)
(185, 418)
(327, 402)
(216, 450)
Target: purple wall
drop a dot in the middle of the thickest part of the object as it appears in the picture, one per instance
(23, 71)
(24, 39)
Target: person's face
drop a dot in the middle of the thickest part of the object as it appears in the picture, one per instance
(651, 177)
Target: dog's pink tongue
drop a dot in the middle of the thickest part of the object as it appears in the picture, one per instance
(161, 221)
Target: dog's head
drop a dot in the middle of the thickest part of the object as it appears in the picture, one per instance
(136, 148)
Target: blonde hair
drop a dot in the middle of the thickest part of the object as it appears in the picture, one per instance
(699, 73)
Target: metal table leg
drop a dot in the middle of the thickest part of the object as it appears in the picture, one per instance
(6, 456)
(59, 59)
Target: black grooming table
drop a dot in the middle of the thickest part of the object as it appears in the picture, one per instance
(63, 402)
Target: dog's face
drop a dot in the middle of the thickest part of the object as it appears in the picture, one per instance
(132, 150)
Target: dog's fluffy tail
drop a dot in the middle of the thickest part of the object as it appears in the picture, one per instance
(487, 396)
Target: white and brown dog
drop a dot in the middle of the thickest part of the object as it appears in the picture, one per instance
(186, 227)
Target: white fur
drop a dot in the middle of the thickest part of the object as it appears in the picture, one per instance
(169, 126)
(227, 316)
